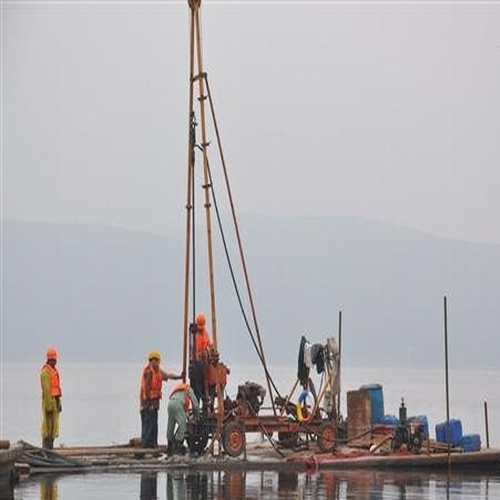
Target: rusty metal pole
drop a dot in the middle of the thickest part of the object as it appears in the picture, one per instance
(340, 363)
(448, 430)
(200, 78)
(486, 424)
(206, 178)
(189, 200)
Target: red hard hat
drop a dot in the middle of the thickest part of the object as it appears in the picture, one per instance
(51, 353)
(200, 320)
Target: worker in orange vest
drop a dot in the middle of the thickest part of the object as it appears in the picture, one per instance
(181, 399)
(202, 338)
(202, 343)
(151, 392)
(51, 399)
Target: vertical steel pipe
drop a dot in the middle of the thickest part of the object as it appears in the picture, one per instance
(448, 430)
(486, 424)
(340, 363)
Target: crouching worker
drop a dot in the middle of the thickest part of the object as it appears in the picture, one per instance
(178, 406)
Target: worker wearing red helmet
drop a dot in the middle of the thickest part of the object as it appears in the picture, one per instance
(51, 399)
(201, 345)
(202, 339)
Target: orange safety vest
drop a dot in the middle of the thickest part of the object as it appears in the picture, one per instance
(202, 342)
(156, 383)
(183, 387)
(55, 384)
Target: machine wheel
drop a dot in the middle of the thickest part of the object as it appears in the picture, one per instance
(288, 439)
(233, 438)
(326, 437)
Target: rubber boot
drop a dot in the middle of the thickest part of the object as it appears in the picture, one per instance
(48, 443)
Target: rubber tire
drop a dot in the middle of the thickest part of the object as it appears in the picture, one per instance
(326, 437)
(233, 438)
(197, 438)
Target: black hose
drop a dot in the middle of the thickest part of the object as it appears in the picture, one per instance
(235, 285)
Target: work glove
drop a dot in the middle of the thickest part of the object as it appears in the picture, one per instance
(58, 404)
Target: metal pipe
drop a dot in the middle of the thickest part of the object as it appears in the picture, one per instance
(486, 424)
(195, 4)
(189, 200)
(206, 184)
(193, 212)
(448, 430)
(340, 361)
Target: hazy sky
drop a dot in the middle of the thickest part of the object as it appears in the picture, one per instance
(384, 110)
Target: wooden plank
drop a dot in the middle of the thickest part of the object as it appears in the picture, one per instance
(108, 450)
(359, 410)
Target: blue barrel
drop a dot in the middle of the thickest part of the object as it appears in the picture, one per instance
(390, 420)
(455, 432)
(377, 401)
(471, 442)
(422, 420)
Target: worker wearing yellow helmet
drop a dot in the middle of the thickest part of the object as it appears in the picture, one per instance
(51, 399)
(151, 393)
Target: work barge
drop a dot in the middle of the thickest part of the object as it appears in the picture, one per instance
(260, 455)
(303, 429)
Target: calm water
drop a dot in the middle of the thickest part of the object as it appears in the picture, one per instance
(181, 485)
(100, 406)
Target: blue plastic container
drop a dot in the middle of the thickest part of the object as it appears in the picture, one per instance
(471, 442)
(455, 432)
(390, 420)
(377, 401)
(422, 420)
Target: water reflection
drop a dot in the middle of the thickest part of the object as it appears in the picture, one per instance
(149, 486)
(221, 485)
(6, 488)
(288, 482)
(329, 485)
(255, 485)
(48, 488)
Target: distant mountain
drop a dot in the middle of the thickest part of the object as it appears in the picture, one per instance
(109, 294)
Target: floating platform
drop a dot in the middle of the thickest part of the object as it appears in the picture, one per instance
(8, 459)
(258, 456)
(488, 458)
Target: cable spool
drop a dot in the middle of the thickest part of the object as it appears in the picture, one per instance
(302, 403)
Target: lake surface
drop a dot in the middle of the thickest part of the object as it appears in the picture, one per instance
(181, 485)
(100, 407)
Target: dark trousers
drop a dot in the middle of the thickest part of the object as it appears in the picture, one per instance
(197, 378)
(149, 434)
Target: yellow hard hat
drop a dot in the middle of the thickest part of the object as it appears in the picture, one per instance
(154, 355)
